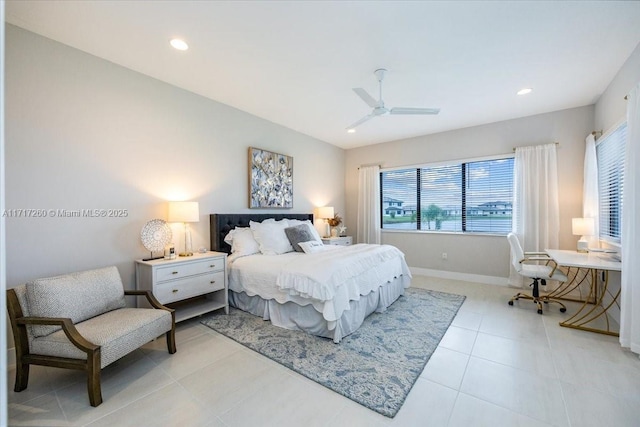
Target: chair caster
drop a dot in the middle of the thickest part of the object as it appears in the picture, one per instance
(510, 303)
(562, 310)
(539, 311)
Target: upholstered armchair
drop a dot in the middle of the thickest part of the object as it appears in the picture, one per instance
(80, 321)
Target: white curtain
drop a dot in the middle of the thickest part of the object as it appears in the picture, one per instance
(630, 296)
(590, 202)
(368, 230)
(535, 200)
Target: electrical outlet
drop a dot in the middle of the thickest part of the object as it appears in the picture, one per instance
(444, 255)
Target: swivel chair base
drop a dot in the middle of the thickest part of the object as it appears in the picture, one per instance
(537, 298)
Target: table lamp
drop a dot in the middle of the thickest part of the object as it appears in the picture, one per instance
(583, 227)
(325, 213)
(185, 212)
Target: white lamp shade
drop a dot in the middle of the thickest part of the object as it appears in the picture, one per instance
(583, 226)
(325, 212)
(183, 212)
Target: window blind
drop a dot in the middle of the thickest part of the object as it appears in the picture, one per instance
(399, 207)
(610, 158)
(441, 198)
(474, 196)
(489, 195)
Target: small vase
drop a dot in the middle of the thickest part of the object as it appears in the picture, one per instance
(334, 232)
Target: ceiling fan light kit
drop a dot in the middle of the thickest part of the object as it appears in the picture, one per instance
(378, 106)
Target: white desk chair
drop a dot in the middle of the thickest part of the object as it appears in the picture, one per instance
(539, 273)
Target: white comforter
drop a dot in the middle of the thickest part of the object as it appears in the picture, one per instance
(328, 280)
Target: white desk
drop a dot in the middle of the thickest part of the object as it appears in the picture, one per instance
(593, 306)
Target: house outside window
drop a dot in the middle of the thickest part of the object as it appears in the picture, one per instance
(473, 196)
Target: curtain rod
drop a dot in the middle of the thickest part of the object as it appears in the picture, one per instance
(372, 164)
(557, 143)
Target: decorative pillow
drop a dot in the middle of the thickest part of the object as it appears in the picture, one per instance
(297, 234)
(271, 237)
(228, 239)
(312, 228)
(243, 243)
(313, 247)
(77, 296)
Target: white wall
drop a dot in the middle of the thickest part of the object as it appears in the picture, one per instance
(477, 254)
(84, 133)
(611, 106)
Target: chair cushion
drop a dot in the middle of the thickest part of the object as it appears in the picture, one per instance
(77, 296)
(542, 272)
(118, 332)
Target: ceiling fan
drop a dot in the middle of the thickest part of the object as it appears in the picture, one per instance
(378, 106)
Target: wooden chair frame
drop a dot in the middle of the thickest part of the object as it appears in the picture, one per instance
(91, 365)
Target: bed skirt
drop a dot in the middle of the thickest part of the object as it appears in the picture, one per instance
(306, 318)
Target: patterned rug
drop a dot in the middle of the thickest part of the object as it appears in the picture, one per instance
(375, 366)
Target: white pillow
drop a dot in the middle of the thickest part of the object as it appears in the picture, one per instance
(229, 237)
(313, 247)
(243, 242)
(294, 222)
(271, 237)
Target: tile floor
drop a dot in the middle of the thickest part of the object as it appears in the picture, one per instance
(496, 366)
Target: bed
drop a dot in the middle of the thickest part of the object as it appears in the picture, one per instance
(327, 292)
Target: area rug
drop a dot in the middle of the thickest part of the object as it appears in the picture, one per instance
(375, 366)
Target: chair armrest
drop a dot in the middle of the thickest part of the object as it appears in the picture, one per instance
(537, 253)
(67, 326)
(535, 258)
(152, 299)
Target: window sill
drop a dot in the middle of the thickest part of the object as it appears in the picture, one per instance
(449, 233)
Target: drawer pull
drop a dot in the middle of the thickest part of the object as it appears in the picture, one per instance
(174, 272)
(213, 281)
(212, 265)
(174, 291)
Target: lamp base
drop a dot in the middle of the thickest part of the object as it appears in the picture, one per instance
(583, 245)
(186, 254)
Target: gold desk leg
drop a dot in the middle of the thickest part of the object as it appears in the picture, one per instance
(586, 315)
(575, 282)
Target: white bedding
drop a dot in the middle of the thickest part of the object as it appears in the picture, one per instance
(328, 280)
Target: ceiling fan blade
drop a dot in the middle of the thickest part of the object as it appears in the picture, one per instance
(364, 95)
(408, 110)
(361, 121)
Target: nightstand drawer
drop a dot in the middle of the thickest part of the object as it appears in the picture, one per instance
(179, 271)
(180, 289)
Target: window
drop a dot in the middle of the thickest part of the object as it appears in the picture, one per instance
(461, 197)
(610, 157)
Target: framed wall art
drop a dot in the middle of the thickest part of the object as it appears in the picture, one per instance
(270, 179)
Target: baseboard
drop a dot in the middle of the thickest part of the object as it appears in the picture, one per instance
(475, 278)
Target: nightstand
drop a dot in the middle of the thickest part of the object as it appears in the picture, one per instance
(191, 285)
(341, 241)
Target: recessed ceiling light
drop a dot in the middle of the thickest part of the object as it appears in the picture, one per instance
(179, 44)
(351, 131)
(524, 91)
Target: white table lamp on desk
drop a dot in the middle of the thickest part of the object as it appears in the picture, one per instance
(583, 227)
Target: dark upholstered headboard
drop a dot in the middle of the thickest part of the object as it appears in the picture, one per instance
(221, 224)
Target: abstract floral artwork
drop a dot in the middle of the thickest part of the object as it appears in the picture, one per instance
(270, 179)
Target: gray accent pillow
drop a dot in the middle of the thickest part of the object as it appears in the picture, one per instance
(299, 233)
